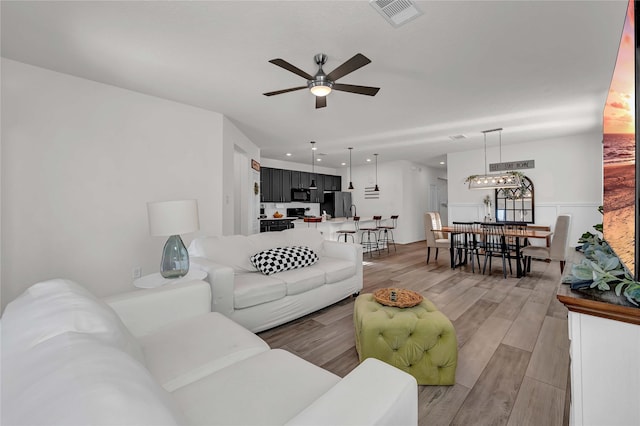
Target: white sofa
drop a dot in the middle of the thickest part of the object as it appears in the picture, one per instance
(259, 302)
(160, 357)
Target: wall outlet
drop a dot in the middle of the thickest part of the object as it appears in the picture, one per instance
(136, 272)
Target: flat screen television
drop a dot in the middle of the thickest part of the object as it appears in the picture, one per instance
(620, 221)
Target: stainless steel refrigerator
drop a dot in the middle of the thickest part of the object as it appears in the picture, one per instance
(337, 204)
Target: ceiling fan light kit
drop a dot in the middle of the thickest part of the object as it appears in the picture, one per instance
(320, 88)
(321, 84)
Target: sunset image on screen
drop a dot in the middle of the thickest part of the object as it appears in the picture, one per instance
(619, 151)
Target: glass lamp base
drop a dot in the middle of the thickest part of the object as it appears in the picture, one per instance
(175, 258)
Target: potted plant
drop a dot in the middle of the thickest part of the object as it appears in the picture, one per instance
(601, 268)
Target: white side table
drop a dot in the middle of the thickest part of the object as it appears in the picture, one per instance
(157, 280)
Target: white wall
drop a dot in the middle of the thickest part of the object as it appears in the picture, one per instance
(80, 160)
(567, 178)
(404, 190)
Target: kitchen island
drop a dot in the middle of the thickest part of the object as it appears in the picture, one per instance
(330, 227)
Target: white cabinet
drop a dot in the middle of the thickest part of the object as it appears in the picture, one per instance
(605, 371)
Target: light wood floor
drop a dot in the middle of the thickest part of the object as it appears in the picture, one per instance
(513, 347)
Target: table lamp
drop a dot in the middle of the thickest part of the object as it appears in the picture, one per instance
(171, 218)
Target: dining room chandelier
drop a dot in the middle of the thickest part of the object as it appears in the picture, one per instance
(504, 180)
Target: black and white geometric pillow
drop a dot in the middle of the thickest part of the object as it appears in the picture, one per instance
(283, 258)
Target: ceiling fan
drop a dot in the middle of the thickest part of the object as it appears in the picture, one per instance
(322, 84)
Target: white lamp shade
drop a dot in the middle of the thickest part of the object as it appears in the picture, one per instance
(173, 217)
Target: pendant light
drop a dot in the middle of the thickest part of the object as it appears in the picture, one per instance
(350, 181)
(376, 189)
(313, 161)
(494, 181)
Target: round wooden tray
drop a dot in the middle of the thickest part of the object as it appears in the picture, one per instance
(404, 298)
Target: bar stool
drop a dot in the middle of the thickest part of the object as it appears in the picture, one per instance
(368, 244)
(350, 232)
(386, 233)
(314, 220)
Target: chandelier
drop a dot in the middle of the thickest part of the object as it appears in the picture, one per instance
(496, 180)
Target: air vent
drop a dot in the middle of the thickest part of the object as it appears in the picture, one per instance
(457, 137)
(396, 12)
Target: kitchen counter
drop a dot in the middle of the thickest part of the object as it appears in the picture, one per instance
(279, 218)
(330, 227)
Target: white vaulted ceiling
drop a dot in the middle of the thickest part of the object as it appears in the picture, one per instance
(539, 69)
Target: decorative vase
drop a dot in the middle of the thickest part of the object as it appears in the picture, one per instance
(175, 258)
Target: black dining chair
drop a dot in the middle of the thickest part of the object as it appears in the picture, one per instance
(514, 241)
(493, 244)
(464, 244)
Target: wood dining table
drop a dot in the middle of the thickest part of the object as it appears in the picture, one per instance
(521, 235)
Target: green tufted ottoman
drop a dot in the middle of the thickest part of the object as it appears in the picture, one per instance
(419, 340)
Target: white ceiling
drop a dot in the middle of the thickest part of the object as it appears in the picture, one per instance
(539, 69)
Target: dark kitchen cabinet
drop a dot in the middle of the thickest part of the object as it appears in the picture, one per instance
(295, 179)
(286, 185)
(332, 183)
(276, 184)
(305, 180)
(265, 184)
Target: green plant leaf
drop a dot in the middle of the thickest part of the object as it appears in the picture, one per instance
(633, 295)
(611, 263)
(582, 272)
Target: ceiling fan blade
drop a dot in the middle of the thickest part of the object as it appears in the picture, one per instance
(287, 66)
(360, 90)
(279, 92)
(321, 101)
(358, 61)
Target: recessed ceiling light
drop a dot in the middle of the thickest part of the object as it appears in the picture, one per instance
(319, 159)
(368, 160)
(343, 164)
(288, 154)
(458, 137)
(442, 162)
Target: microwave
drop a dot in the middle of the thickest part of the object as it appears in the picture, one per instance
(300, 194)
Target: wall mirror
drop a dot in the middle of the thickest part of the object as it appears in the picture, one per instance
(515, 204)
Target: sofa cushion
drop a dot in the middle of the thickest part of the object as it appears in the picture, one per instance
(233, 251)
(253, 288)
(267, 240)
(194, 348)
(77, 379)
(283, 259)
(301, 280)
(335, 269)
(54, 307)
(267, 389)
(309, 237)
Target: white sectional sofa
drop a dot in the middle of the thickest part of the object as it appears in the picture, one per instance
(160, 357)
(258, 301)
